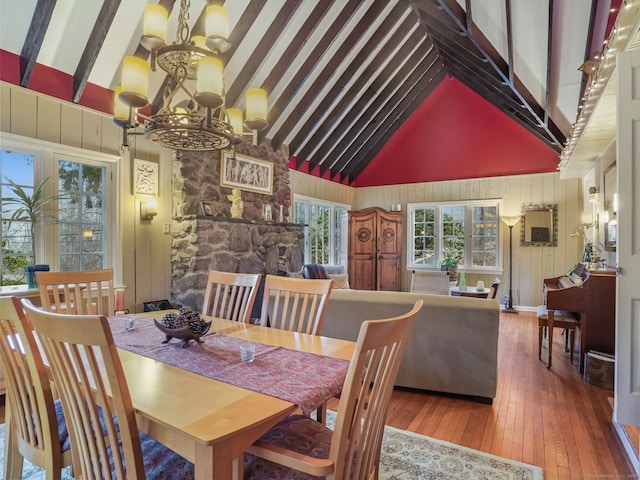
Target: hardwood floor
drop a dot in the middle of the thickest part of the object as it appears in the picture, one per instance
(550, 418)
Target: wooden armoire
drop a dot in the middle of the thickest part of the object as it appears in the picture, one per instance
(375, 249)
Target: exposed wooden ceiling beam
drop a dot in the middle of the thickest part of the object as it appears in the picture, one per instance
(93, 47)
(35, 36)
(507, 4)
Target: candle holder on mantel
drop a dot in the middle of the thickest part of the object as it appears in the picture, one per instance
(267, 213)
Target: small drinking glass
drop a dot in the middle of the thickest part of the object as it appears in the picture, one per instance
(129, 323)
(247, 353)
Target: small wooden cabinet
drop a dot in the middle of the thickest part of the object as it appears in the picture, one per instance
(375, 249)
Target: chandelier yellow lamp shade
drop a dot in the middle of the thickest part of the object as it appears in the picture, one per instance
(120, 109)
(199, 41)
(217, 22)
(510, 221)
(155, 22)
(210, 83)
(256, 104)
(235, 119)
(135, 81)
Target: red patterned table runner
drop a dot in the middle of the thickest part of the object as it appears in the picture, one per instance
(306, 379)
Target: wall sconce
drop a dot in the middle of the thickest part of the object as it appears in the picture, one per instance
(615, 203)
(148, 210)
(588, 220)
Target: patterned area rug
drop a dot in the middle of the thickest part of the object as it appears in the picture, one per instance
(405, 456)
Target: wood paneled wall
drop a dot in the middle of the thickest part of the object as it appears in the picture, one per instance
(530, 264)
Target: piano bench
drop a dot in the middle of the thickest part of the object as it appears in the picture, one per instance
(561, 319)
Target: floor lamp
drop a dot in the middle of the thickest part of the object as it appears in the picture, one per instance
(510, 222)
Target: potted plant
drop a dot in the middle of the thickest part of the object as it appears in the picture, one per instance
(35, 208)
(450, 263)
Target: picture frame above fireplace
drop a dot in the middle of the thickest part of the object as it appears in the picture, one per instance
(246, 173)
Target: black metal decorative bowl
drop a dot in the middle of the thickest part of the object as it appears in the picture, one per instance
(183, 333)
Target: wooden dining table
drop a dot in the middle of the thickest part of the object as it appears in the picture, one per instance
(208, 421)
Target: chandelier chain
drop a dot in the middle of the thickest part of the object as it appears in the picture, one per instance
(183, 19)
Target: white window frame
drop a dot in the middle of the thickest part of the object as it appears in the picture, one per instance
(438, 206)
(46, 155)
(309, 201)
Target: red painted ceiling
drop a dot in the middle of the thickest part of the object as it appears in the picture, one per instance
(456, 134)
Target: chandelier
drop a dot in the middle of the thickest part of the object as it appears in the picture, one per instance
(193, 115)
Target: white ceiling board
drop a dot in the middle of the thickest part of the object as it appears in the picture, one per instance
(530, 25)
(15, 18)
(63, 45)
(121, 40)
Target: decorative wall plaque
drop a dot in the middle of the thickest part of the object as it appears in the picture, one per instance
(145, 177)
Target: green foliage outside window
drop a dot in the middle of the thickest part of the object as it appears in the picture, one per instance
(459, 233)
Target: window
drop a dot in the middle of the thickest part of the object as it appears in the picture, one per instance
(325, 235)
(15, 237)
(80, 234)
(82, 213)
(465, 231)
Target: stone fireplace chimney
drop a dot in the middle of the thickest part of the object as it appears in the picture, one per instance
(251, 244)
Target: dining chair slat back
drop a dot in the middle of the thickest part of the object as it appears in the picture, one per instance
(88, 292)
(354, 445)
(295, 304)
(493, 291)
(230, 295)
(32, 420)
(90, 379)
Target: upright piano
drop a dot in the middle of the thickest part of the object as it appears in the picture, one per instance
(592, 296)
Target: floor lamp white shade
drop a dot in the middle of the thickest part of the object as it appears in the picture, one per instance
(510, 221)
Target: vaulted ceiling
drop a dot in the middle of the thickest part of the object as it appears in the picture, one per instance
(344, 77)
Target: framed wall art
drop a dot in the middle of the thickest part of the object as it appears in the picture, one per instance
(246, 173)
(207, 209)
(145, 177)
(611, 236)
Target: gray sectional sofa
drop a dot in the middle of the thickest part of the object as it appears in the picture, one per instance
(453, 347)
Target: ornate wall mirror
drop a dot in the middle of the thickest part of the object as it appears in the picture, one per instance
(610, 207)
(539, 226)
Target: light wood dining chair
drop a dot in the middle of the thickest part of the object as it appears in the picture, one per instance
(35, 427)
(230, 295)
(352, 450)
(294, 304)
(493, 291)
(436, 283)
(79, 293)
(86, 369)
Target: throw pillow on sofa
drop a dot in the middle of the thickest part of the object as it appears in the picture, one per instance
(340, 280)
